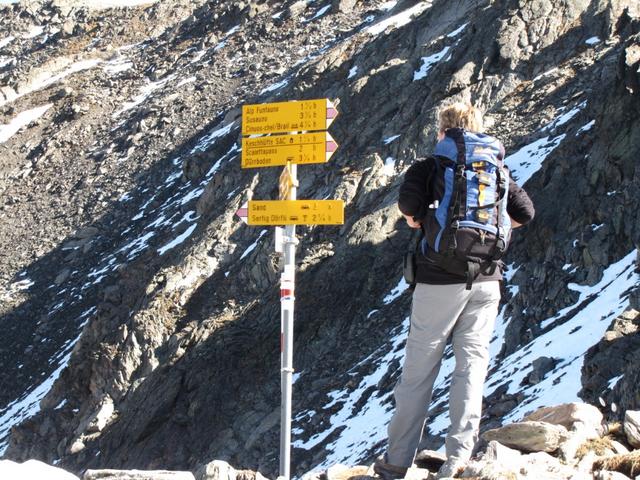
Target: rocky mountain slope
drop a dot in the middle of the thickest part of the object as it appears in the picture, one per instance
(141, 318)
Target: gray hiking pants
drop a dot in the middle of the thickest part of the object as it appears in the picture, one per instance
(439, 311)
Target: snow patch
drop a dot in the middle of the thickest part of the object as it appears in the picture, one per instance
(389, 168)
(614, 381)
(319, 13)
(252, 247)
(145, 92)
(206, 141)
(565, 117)
(121, 64)
(457, 31)
(398, 20)
(275, 86)
(528, 160)
(388, 140)
(428, 63)
(585, 328)
(178, 240)
(396, 292)
(46, 79)
(361, 414)
(34, 32)
(586, 127)
(6, 41)
(22, 120)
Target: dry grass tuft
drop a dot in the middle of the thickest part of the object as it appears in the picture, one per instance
(616, 429)
(629, 464)
(598, 445)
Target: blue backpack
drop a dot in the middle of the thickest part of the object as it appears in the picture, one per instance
(467, 228)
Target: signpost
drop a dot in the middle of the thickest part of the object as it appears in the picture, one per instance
(292, 134)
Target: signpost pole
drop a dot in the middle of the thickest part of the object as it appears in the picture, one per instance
(287, 297)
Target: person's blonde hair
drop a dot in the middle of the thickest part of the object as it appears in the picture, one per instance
(460, 115)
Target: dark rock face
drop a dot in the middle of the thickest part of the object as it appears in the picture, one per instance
(609, 375)
(118, 205)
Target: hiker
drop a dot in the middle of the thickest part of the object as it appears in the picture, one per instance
(457, 282)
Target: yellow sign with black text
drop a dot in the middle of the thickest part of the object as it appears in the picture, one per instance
(295, 212)
(278, 150)
(287, 117)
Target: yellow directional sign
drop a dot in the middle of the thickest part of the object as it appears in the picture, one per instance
(294, 212)
(285, 117)
(278, 150)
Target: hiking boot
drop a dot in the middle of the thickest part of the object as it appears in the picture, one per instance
(452, 467)
(386, 471)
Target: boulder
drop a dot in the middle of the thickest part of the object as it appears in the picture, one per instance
(529, 436)
(136, 475)
(607, 475)
(216, 470)
(344, 472)
(430, 460)
(508, 457)
(572, 416)
(32, 469)
(632, 427)
(413, 473)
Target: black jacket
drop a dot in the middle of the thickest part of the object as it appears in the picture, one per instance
(414, 199)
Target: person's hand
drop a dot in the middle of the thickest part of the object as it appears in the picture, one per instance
(411, 222)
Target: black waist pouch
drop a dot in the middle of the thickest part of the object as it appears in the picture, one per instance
(409, 268)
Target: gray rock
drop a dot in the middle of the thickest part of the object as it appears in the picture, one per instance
(62, 276)
(69, 26)
(296, 9)
(540, 367)
(529, 436)
(344, 6)
(632, 427)
(86, 232)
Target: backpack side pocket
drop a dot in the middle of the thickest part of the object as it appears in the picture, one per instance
(409, 268)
